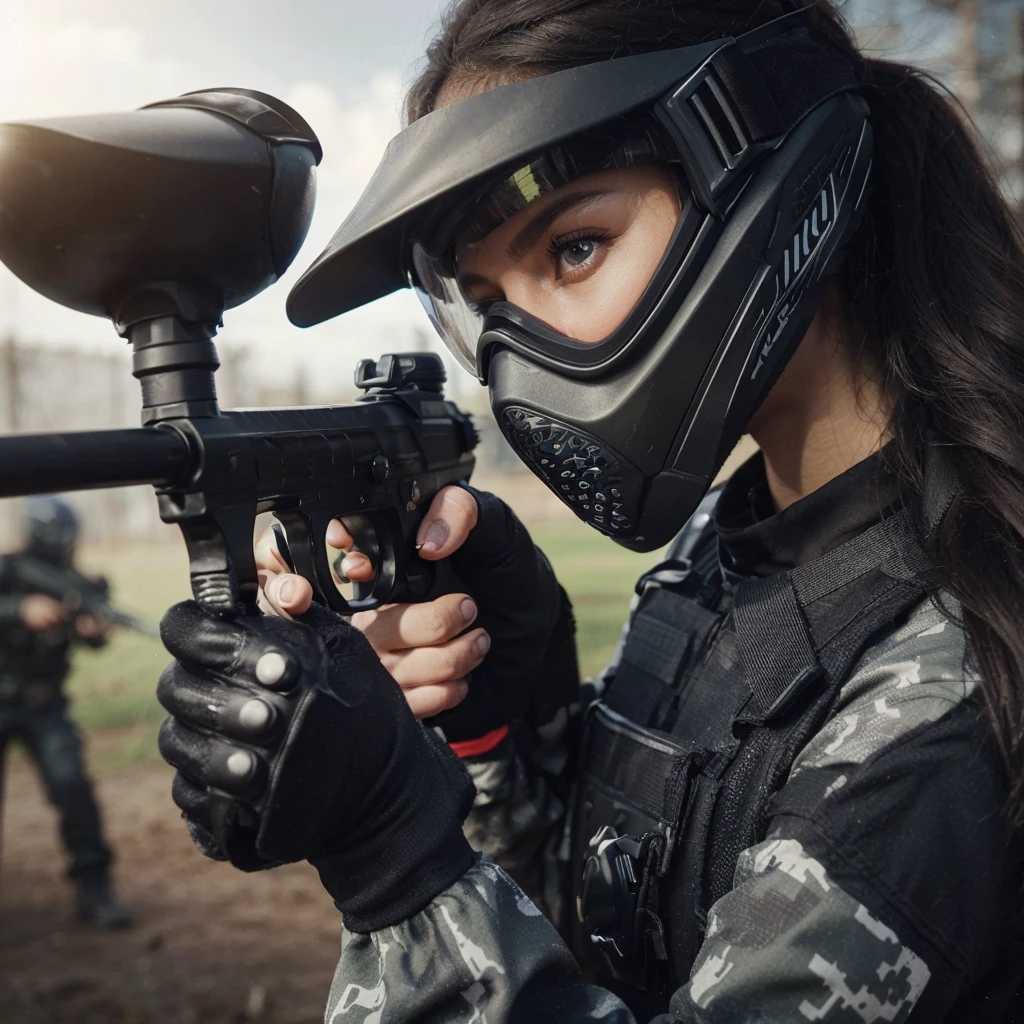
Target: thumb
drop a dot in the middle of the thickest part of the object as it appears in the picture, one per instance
(451, 518)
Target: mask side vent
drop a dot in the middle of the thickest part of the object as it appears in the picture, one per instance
(601, 487)
(715, 113)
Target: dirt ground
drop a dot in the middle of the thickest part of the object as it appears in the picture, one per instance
(210, 945)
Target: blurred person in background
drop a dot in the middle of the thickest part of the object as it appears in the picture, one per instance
(36, 635)
(797, 794)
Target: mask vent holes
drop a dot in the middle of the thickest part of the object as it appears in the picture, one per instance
(602, 489)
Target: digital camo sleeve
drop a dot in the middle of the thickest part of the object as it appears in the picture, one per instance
(518, 818)
(809, 931)
(525, 785)
(481, 951)
(839, 915)
(790, 942)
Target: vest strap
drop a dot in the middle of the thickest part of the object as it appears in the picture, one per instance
(889, 545)
(778, 659)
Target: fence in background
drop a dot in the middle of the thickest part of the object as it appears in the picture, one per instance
(51, 389)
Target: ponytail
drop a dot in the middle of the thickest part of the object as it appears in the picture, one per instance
(935, 284)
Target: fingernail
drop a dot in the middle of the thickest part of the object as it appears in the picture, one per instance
(286, 590)
(468, 611)
(483, 643)
(435, 537)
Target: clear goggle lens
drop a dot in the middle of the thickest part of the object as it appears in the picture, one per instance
(454, 319)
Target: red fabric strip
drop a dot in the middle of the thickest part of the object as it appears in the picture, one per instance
(474, 748)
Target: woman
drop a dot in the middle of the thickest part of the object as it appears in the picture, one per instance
(796, 795)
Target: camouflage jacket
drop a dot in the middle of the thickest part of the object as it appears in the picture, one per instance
(882, 889)
(881, 892)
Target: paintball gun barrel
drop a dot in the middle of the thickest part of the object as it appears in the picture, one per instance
(160, 219)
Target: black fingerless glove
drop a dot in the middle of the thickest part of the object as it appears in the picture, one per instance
(531, 668)
(293, 742)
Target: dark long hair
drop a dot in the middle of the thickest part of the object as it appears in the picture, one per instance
(935, 278)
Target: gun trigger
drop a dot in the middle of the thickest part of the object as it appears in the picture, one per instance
(281, 539)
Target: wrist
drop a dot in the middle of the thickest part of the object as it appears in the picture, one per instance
(409, 851)
(369, 902)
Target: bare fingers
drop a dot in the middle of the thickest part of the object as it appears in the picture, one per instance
(284, 594)
(425, 666)
(430, 700)
(401, 626)
(445, 527)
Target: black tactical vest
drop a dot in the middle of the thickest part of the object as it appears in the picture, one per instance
(33, 666)
(722, 681)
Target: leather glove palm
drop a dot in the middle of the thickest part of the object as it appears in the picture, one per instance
(292, 742)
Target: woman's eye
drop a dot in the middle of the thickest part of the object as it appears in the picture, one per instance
(576, 252)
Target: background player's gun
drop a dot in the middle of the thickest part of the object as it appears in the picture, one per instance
(160, 219)
(80, 594)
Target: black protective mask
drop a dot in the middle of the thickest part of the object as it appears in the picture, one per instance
(50, 528)
(772, 140)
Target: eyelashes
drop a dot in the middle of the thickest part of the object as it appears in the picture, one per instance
(571, 256)
(577, 251)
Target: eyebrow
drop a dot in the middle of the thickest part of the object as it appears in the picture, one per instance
(531, 232)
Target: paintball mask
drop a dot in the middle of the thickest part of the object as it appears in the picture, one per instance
(50, 528)
(770, 146)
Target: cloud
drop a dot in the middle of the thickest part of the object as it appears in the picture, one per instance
(354, 136)
(53, 65)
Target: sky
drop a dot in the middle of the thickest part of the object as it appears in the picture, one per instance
(341, 63)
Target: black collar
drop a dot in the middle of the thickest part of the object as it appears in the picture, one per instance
(758, 541)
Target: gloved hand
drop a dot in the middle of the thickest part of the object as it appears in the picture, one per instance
(293, 742)
(529, 668)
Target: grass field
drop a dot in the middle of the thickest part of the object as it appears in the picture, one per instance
(113, 689)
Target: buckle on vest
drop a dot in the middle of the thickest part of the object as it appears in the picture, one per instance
(613, 904)
(671, 573)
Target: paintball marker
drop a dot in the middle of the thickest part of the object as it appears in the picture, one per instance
(161, 219)
(79, 594)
